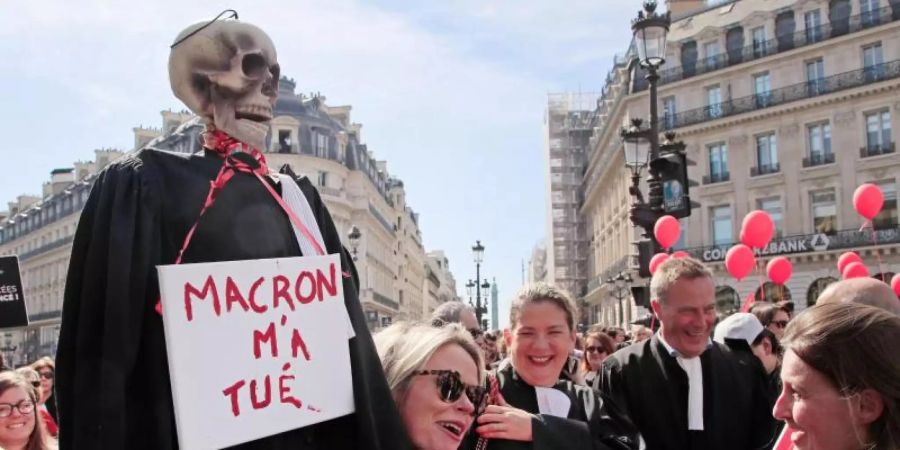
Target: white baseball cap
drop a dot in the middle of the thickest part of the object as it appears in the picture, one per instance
(738, 326)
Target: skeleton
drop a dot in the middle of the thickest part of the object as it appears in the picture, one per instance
(227, 73)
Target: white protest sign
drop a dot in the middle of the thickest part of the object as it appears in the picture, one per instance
(255, 348)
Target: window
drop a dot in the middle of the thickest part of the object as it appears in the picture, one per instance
(714, 101)
(776, 211)
(758, 36)
(766, 154)
(323, 179)
(711, 52)
(813, 24)
(682, 238)
(815, 77)
(320, 144)
(819, 138)
(824, 211)
(669, 112)
(718, 163)
(721, 225)
(873, 60)
(284, 141)
(878, 133)
(762, 86)
(887, 218)
(868, 10)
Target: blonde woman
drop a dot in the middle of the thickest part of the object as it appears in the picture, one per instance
(436, 379)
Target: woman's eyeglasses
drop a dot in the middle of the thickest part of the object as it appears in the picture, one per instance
(451, 388)
(47, 375)
(25, 407)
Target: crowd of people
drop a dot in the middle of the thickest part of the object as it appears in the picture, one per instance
(830, 376)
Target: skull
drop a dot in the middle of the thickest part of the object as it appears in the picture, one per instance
(227, 73)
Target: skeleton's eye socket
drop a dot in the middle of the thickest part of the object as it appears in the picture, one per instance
(254, 65)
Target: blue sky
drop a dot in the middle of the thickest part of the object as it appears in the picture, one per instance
(450, 93)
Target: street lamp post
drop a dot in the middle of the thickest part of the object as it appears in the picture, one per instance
(478, 256)
(618, 285)
(642, 143)
(354, 236)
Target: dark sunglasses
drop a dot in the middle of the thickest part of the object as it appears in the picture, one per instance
(592, 348)
(780, 323)
(451, 388)
(47, 375)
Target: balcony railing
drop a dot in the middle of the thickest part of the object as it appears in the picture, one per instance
(720, 177)
(818, 159)
(761, 49)
(877, 149)
(765, 169)
(787, 94)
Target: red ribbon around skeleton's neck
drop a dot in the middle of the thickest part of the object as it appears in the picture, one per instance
(225, 146)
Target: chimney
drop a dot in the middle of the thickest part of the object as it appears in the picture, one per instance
(60, 179)
(681, 8)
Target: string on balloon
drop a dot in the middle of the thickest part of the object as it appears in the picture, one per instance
(868, 201)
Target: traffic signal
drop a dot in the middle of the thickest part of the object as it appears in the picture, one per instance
(646, 249)
(672, 169)
(641, 295)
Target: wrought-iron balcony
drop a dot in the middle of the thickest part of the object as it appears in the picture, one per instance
(765, 169)
(719, 177)
(783, 43)
(787, 94)
(877, 149)
(818, 159)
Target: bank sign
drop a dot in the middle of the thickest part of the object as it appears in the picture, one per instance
(783, 246)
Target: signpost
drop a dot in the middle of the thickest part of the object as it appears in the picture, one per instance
(255, 348)
(13, 312)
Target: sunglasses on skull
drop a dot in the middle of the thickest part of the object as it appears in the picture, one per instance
(451, 387)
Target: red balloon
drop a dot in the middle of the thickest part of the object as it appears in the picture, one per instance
(667, 231)
(846, 258)
(657, 261)
(680, 254)
(855, 270)
(757, 229)
(895, 284)
(740, 261)
(868, 200)
(779, 270)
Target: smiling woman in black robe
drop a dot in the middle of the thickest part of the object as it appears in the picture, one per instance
(535, 409)
(112, 372)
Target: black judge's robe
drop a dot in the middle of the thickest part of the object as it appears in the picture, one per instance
(112, 372)
(647, 382)
(592, 423)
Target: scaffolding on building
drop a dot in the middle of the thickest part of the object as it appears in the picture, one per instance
(570, 122)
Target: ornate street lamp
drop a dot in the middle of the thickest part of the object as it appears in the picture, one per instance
(650, 31)
(617, 285)
(478, 256)
(354, 236)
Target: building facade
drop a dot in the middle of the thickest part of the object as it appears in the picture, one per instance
(315, 140)
(784, 106)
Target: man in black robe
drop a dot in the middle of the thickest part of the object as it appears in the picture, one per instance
(112, 371)
(681, 390)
